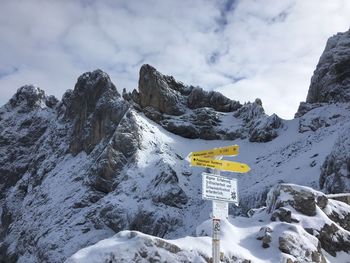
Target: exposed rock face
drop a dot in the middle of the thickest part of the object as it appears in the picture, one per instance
(266, 129)
(19, 137)
(250, 112)
(29, 97)
(335, 172)
(331, 80)
(95, 108)
(302, 201)
(121, 148)
(160, 92)
(192, 112)
(200, 98)
(299, 244)
(167, 190)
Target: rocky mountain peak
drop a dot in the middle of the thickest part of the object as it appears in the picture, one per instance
(166, 101)
(160, 92)
(30, 97)
(90, 88)
(331, 80)
(95, 107)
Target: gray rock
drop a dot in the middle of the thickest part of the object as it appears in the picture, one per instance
(153, 114)
(291, 244)
(159, 92)
(266, 129)
(333, 239)
(306, 107)
(29, 97)
(150, 223)
(265, 236)
(322, 201)
(250, 112)
(339, 213)
(312, 124)
(335, 171)
(283, 214)
(200, 98)
(122, 146)
(114, 217)
(331, 79)
(95, 108)
(166, 189)
(201, 123)
(302, 200)
(186, 130)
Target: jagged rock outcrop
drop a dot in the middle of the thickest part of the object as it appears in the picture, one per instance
(167, 190)
(95, 108)
(19, 136)
(192, 112)
(160, 92)
(119, 151)
(30, 97)
(199, 98)
(335, 171)
(260, 127)
(266, 129)
(330, 82)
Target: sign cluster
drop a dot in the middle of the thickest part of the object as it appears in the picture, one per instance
(220, 189)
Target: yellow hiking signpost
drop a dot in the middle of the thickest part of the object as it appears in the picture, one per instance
(220, 165)
(218, 188)
(224, 151)
(206, 159)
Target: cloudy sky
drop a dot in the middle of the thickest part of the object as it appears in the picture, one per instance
(245, 49)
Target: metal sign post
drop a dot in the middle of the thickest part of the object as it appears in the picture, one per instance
(216, 240)
(216, 229)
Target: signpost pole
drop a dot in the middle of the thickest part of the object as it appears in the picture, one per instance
(216, 229)
(219, 189)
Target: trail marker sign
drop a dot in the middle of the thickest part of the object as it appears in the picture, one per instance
(220, 164)
(231, 150)
(220, 188)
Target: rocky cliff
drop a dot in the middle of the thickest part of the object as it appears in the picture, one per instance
(194, 113)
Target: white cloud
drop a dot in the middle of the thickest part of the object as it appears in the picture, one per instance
(272, 47)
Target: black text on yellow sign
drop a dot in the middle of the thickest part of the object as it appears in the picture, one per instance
(220, 165)
(231, 150)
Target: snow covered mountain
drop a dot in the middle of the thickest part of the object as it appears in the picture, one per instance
(77, 171)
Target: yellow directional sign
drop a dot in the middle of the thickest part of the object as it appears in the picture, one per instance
(220, 164)
(231, 150)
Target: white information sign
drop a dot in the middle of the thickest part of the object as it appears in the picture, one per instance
(220, 188)
(220, 209)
